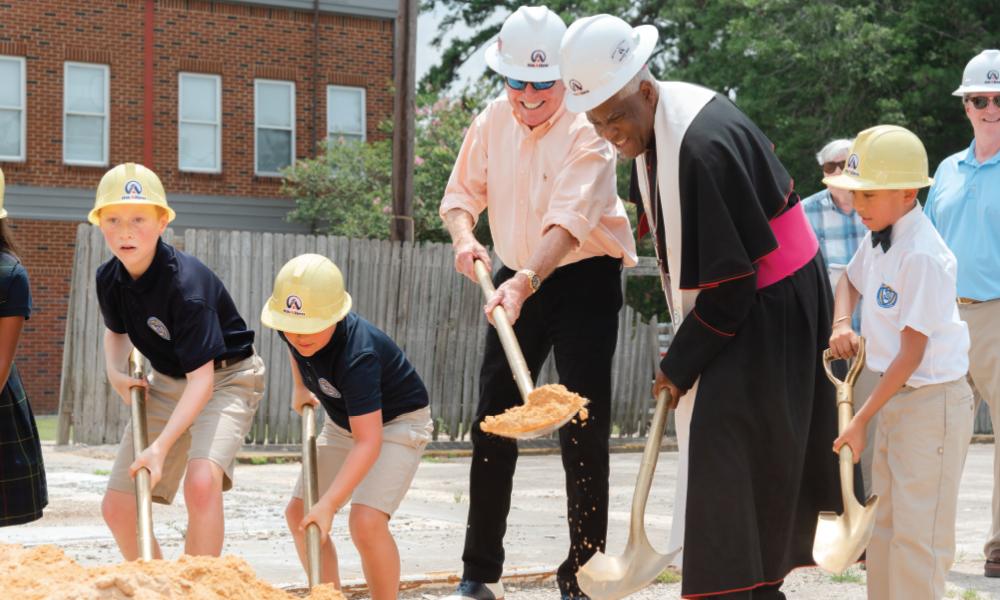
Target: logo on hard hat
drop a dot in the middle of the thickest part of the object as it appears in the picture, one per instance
(886, 297)
(576, 87)
(293, 305)
(328, 388)
(621, 51)
(158, 327)
(993, 76)
(133, 190)
(538, 59)
(853, 162)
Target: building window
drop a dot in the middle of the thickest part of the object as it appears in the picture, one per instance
(12, 117)
(85, 114)
(199, 123)
(345, 113)
(274, 122)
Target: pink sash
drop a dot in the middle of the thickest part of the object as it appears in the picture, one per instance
(797, 245)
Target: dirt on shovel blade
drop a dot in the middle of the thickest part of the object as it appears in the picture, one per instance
(46, 573)
(547, 405)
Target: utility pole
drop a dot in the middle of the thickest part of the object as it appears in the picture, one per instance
(404, 75)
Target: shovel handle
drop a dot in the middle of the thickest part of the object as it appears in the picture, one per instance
(143, 493)
(650, 454)
(856, 364)
(310, 492)
(508, 340)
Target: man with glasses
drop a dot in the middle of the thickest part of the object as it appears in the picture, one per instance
(562, 234)
(964, 205)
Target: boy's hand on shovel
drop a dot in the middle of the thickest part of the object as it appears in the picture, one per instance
(150, 459)
(854, 437)
(321, 516)
(843, 341)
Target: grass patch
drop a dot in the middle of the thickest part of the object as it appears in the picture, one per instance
(971, 595)
(851, 575)
(102, 472)
(437, 458)
(47, 427)
(668, 575)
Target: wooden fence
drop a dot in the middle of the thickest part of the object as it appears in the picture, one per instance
(409, 290)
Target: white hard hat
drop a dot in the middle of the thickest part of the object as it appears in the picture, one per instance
(528, 45)
(982, 74)
(599, 55)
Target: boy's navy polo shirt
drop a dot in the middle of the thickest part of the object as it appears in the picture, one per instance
(359, 371)
(177, 313)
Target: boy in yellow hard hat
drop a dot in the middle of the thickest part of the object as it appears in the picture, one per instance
(206, 379)
(377, 417)
(905, 277)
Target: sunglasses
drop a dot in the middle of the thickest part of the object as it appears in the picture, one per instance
(981, 102)
(517, 84)
(831, 167)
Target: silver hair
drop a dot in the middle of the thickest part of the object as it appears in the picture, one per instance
(632, 86)
(832, 149)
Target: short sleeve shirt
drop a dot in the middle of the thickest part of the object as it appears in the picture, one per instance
(15, 294)
(178, 313)
(911, 285)
(359, 371)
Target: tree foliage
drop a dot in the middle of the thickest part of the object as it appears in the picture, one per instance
(806, 72)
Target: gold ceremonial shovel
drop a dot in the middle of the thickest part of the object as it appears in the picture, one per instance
(310, 492)
(840, 540)
(606, 577)
(519, 368)
(143, 493)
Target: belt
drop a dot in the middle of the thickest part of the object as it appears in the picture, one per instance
(224, 363)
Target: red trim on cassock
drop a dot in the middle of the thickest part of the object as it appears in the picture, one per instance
(717, 331)
(713, 284)
(756, 585)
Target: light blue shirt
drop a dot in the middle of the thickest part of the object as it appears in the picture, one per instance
(964, 205)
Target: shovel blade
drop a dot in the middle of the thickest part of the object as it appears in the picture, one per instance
(841, 539)
(606, 577)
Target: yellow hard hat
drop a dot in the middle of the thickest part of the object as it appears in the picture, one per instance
(3, 211)
(308, 296)
(884, 157)
(129, 183)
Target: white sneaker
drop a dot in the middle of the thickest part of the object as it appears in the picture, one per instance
(475, 590)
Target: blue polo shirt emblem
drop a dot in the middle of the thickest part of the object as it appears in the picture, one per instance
(157, 326)
(886, 296)
(328, 388)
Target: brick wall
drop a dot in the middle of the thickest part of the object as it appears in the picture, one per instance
(47, 253)
(238, 42)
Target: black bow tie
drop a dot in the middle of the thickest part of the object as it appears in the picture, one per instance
(883, 238)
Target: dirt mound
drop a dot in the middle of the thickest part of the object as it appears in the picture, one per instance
(547, 406)
(46, 573)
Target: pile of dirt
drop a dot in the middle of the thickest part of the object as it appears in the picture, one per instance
(46, 573)
(547, 406)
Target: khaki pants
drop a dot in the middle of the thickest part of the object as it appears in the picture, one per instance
(920, 445)
(984, 371)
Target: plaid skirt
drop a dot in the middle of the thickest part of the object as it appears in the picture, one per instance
(23, 493)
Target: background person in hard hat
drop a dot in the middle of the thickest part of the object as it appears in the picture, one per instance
(206, 379)
(562, 234)
(904, 276)
(750, 303)
(964, 205)
(23, 493)
(839, 230)
(377, 416)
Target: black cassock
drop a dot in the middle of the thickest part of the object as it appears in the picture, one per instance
(759, 461)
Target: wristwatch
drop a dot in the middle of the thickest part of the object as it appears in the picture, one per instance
(533, 279)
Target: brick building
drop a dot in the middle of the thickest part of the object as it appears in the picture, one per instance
(215, 96)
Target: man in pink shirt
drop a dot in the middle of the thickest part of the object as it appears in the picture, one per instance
(562, 235)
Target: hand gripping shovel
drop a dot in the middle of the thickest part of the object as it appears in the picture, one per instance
(840, 540)
(518, 366)
(143, 493)
(606, 577)
(310, 492)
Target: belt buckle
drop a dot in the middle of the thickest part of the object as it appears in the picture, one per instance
(967, 301)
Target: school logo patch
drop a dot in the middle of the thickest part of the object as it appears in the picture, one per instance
(886, 296)
(293, 305)
(853, 162)
(158, 327)
(328, 388)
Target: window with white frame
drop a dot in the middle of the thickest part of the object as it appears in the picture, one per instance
(12, 108)
(85, 114)
(274, 125)
(199, 123)
(345, 113)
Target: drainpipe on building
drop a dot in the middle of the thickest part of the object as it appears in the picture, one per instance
(147, 85)
(315, 81)
(404, 72)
